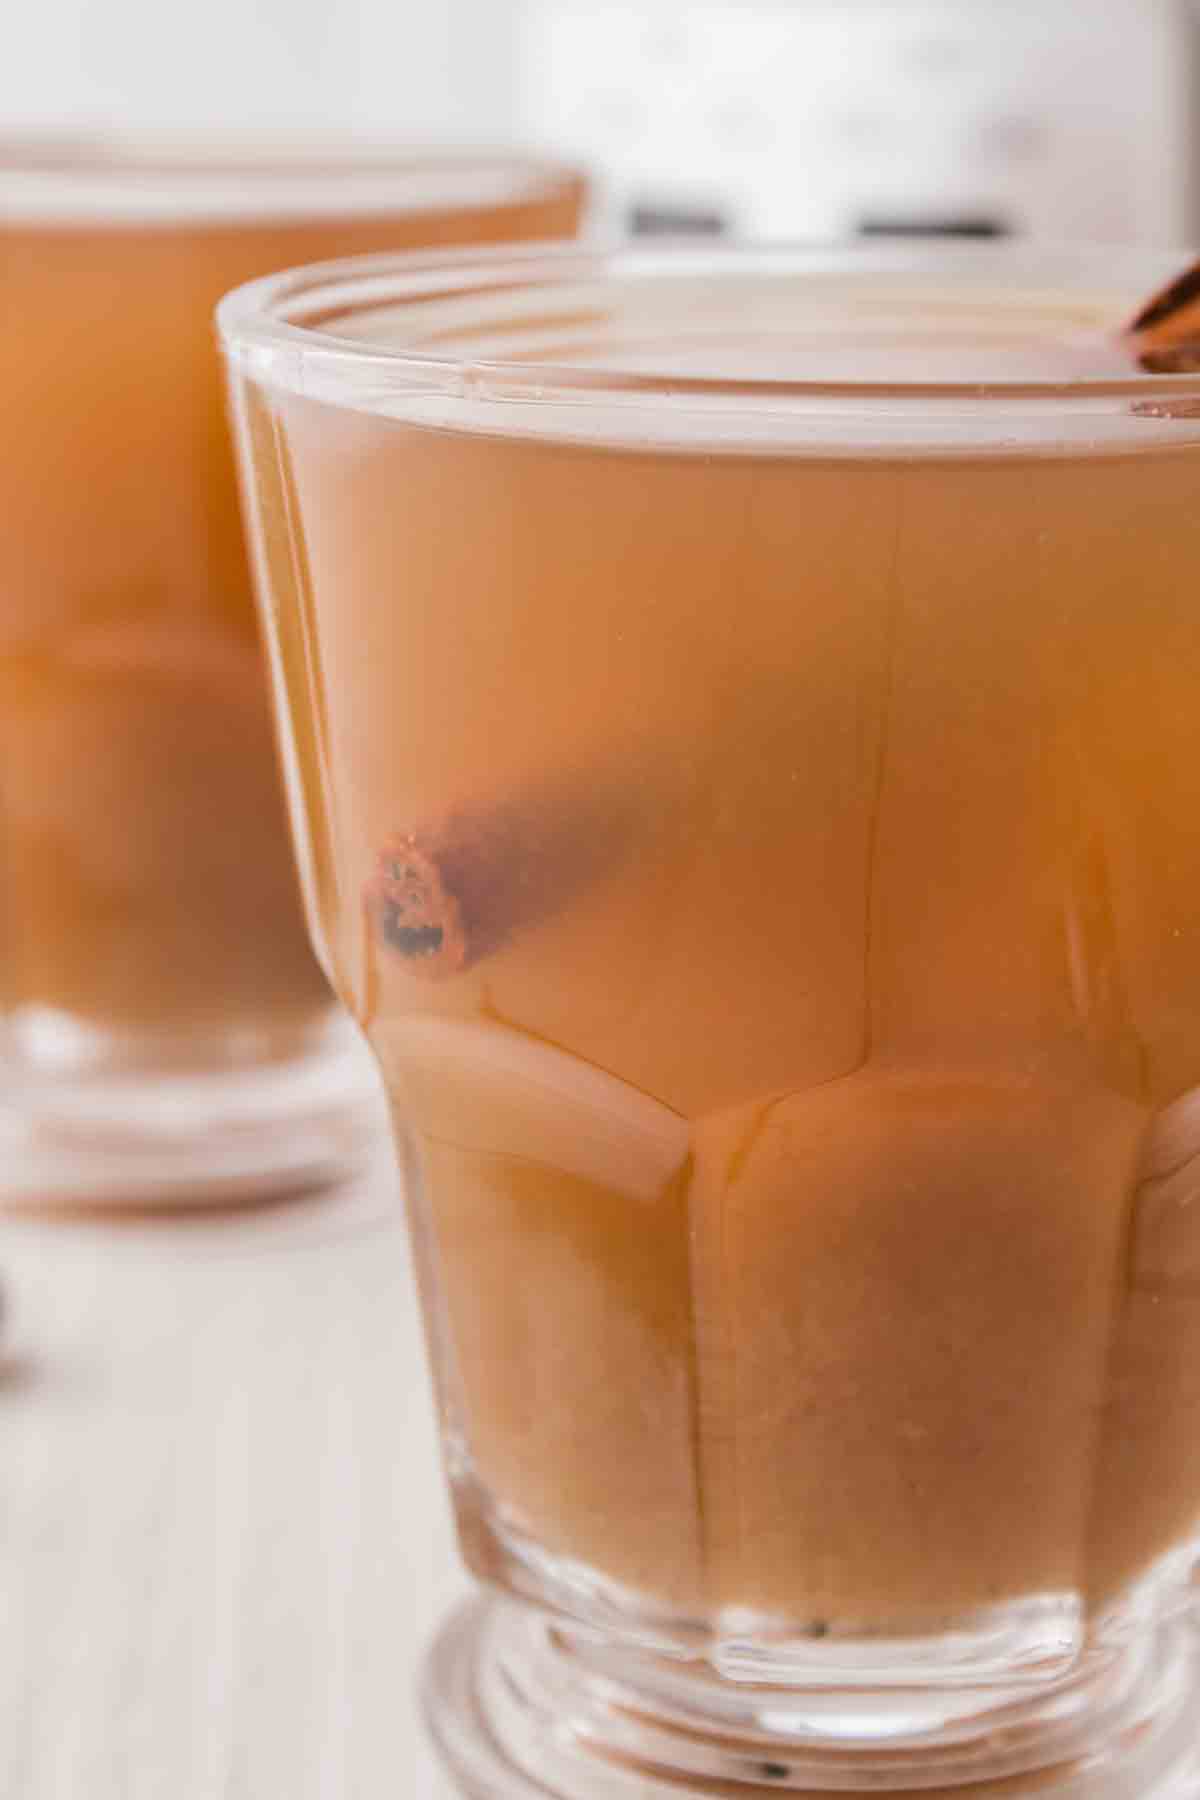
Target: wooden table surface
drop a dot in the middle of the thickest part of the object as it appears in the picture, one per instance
(224, 1538)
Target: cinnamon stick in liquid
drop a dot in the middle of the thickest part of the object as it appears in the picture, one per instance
(448, 894)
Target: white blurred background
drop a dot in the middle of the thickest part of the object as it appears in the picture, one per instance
(1068, 118)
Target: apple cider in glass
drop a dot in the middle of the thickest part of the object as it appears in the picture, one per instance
(742, 714)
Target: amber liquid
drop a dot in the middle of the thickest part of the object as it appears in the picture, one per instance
(811, 1193)
(148, 884)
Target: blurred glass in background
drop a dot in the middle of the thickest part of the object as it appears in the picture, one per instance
(168, 1039)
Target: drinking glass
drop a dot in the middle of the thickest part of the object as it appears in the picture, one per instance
(168, 1033)
(740, 713)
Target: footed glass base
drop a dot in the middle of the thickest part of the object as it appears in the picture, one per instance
(521, 1708)
(95, 1123)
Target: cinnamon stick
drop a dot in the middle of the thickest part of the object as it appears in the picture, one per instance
(1166, 332)
(446, 895)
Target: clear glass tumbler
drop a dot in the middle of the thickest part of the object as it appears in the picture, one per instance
(168, 1034)
(740, 708)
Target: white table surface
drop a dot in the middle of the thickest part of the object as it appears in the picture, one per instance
(223, 1535)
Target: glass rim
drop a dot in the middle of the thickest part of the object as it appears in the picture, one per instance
(111, 179)
(278, 326)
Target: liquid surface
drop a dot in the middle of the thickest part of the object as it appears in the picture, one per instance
(769, 883)
(887, 362)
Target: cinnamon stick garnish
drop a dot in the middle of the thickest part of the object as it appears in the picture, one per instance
(1165, 335)
(444, 896)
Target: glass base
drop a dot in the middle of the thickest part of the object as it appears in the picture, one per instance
(93, 1123)
(1018, 1642)
(521, 1708)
